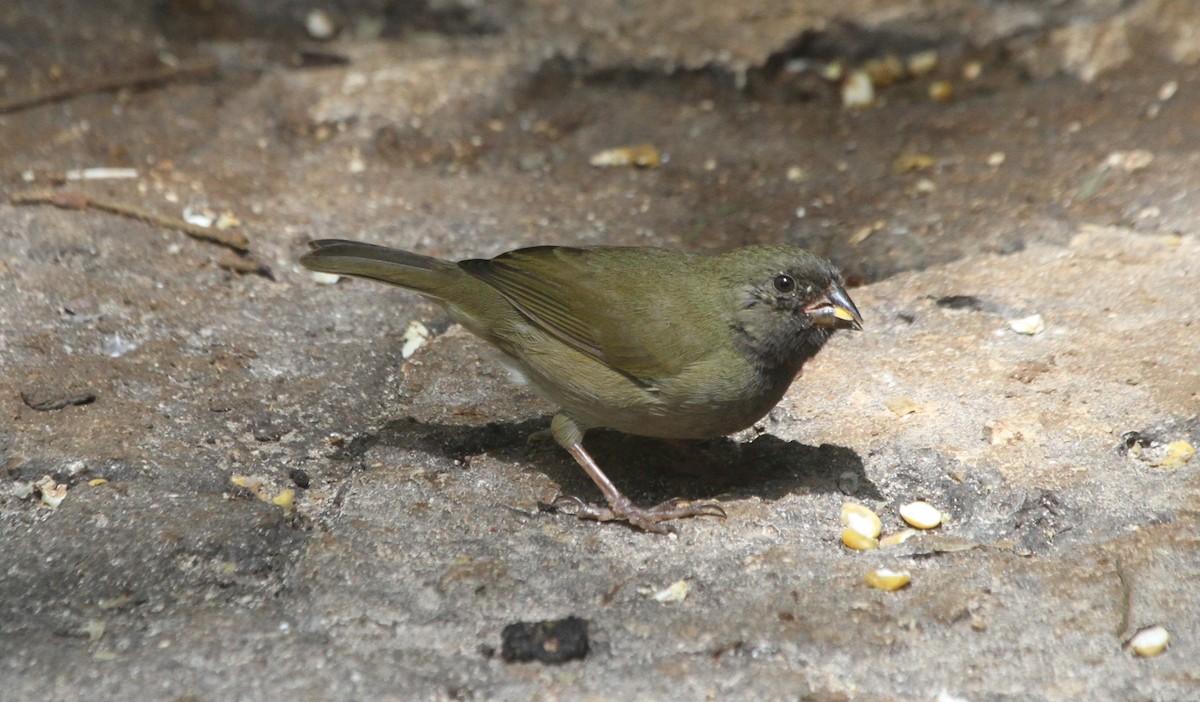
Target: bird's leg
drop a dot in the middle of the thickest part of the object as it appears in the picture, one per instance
(568, 435)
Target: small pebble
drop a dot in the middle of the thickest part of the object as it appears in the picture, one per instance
(300, 478)
(1150, 642)
(555, 641)
(921, 514)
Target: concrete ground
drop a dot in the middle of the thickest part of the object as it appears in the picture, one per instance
(174, 392)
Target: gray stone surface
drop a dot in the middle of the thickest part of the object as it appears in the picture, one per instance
(1061, 182)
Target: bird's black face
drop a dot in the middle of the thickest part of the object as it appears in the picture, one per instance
(790, 312)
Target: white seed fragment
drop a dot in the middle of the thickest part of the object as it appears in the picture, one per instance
(921, 514)
(640, 155)
(415, 336)
(52, 493)
(858, 91)
(199, 216)
(922, 63)
(675, 592)
(1029, 326)
(861, 519)
(325, 278)
(887, 579)
(857, 540)
(1168, 90)
(1150, 641)
(102, 173)
(1129, 161)
(320, 25)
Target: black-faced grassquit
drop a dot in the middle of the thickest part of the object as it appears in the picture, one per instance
(646, 341)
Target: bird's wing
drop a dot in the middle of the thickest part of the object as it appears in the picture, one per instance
(606, 303)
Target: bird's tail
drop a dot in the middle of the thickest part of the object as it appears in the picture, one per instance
(423, 274)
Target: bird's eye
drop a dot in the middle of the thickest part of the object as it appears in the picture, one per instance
(785, 283)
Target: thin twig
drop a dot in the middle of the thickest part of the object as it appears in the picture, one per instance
(101, 84)
(72, 200)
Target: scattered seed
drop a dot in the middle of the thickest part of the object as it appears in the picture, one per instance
(857, 91)
(996, 159)
(640, 155)
(922, 63)
(857, 540)
(97, 482)
(675, 592)
(910, 162)
(861, 519)
(972, 70)
(941, 91)
(320, 25)
(885, 71)
(1168, 90)
(897, 538)
(415, 336)
(902, 406)
(52, 493)
(1129, 161)
(921, 514)
(103, 173)
(1150, 642)
(861, 235)
(1029, 326)
(887, 579)
(1178, 453)
(324, 278)
(285, 499)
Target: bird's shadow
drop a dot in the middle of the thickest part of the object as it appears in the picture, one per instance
(647, 470)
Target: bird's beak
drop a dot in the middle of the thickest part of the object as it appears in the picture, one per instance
(835, 310)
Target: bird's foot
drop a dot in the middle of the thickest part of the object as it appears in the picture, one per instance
(650, 519)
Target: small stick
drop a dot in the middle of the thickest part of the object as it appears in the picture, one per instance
(72, 200)
(101, 84)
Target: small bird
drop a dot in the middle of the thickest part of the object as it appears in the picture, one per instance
(646, 341)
